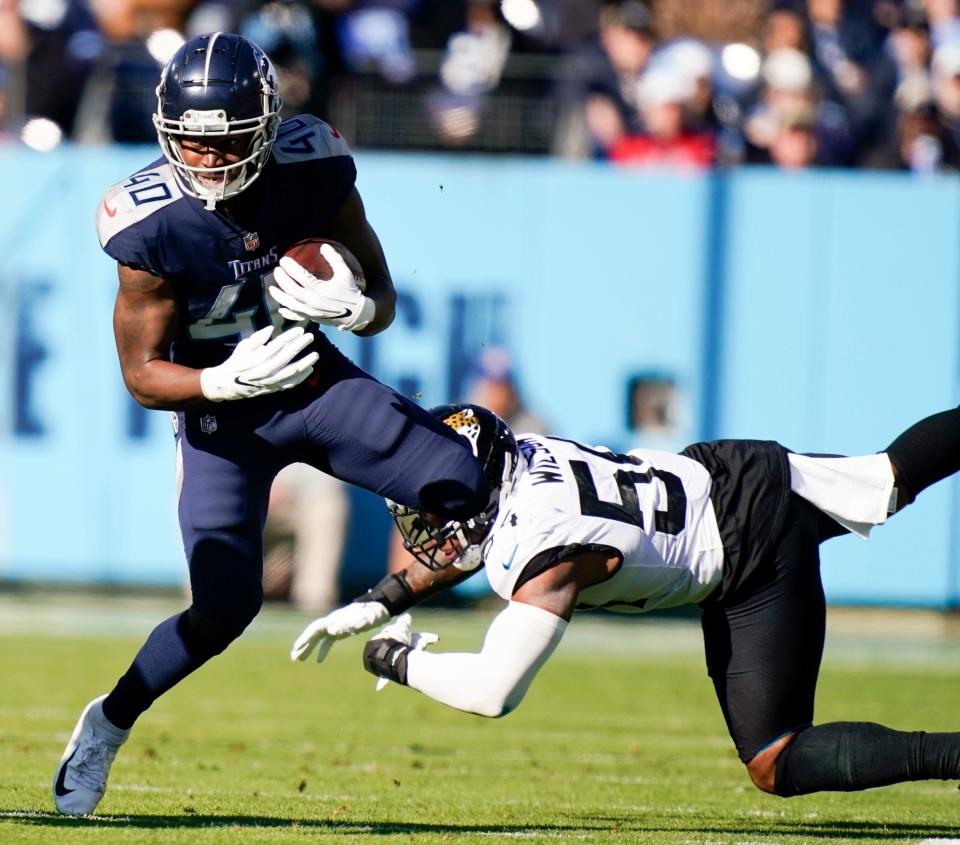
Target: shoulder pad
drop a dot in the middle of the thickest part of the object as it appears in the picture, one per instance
(135, 199)
(306, 137)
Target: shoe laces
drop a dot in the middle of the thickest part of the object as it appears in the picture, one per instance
(91, 765)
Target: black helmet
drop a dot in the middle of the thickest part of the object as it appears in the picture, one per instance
(218, 85)
(438, 544)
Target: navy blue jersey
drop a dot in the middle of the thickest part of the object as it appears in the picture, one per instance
(220, 269)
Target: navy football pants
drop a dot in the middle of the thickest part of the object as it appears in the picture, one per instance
(349, 425)
(356, 429)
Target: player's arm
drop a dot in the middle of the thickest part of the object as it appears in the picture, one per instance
(391, 596)
(518, 642)
(145, 320)
(144, 325)
(351, 228)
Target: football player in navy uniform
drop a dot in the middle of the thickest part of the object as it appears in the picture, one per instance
(733, 526)
(213, 323)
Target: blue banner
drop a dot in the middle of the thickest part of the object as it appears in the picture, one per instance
(817, 309)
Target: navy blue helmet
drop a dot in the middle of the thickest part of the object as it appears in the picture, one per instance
(438, 544)
(217, 85)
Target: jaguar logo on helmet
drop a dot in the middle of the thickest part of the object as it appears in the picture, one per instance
(439, 544)
(218, 85)
(466, 423)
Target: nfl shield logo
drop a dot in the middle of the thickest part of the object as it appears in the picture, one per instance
(251, 241)
(208, 423)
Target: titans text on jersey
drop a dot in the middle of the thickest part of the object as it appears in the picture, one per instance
(221, 271)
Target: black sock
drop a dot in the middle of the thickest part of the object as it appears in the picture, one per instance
(848, 756)
(925, 453)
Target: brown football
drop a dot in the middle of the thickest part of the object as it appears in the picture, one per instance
(307, 254)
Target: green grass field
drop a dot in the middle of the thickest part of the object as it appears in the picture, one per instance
(620, 740)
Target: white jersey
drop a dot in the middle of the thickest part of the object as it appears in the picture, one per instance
(649, 508)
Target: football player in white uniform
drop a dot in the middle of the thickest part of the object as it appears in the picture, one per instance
(733, 526)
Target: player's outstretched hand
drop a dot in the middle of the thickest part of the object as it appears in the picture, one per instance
(260, 364)
(343, 622)
(398, 632)
(338, 301)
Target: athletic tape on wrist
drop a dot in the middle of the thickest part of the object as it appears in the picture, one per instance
(387, 658)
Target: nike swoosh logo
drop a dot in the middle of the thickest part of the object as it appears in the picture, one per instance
(239, 380)
(111, 212)
(346, 313)
(60, 787)
(509, 563)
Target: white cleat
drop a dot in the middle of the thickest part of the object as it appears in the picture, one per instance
(81, 777)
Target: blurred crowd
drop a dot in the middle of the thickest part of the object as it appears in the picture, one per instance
(837, 83)
(822, 83)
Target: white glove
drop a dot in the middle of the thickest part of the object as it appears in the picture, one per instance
(401, 629)
(339, 301)
(337, 625)
(260, 365)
